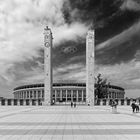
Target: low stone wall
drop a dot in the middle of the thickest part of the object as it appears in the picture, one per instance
(39, 102)
(20, 102)
(121, 102)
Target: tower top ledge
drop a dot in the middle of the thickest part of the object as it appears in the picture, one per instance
(47, 28)
(47, 31)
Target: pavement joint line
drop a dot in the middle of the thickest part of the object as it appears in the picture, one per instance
(47, 129)
(54, 132)
(133, 115)
(79, 123)
(12, 114)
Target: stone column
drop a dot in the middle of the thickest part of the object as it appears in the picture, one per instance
(55, 95)
(66, 95)
(77, 95)
(82, 96)
(42, 93)
(34, 94)
(22, 95)
(48, 65)
(25, 94)
(90, 67)
(17, 95)
(72, 95)
(60, 95)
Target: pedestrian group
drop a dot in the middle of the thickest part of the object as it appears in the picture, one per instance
(73, 104)
(135, 107)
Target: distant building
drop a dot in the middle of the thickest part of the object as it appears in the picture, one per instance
(63, 92)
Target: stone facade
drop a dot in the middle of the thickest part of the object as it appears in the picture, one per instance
(63, 92)
(90, 67)
(48, 65)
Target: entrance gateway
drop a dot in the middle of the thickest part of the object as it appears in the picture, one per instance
(88, 95)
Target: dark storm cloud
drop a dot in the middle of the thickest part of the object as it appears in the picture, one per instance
(121, 21)
(90, 10)
(109, 18)
(69, 53)
(105, 16)
(121, 48)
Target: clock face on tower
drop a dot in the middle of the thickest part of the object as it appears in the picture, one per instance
(47, 44)
(48, 32)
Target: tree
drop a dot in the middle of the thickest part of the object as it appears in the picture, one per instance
(101, 87)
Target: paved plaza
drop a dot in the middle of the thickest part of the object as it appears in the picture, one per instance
(66, 123)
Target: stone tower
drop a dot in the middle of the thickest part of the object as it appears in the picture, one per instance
(48, 65)
(90, 68)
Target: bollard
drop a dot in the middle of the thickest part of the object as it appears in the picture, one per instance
(119, 102)
(6, 102)
(18, 103)
(37, 103)
(101, 102)
(107, 102)
(30, 102)
(24, 102)
(125, 102)
(12, 102)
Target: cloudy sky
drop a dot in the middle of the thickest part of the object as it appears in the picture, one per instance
(117, 33)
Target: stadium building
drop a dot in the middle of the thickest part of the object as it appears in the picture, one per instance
(63, 92)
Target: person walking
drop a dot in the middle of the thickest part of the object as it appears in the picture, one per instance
(133, 105)
(75, 104)
(71, 104)
(114, 106)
